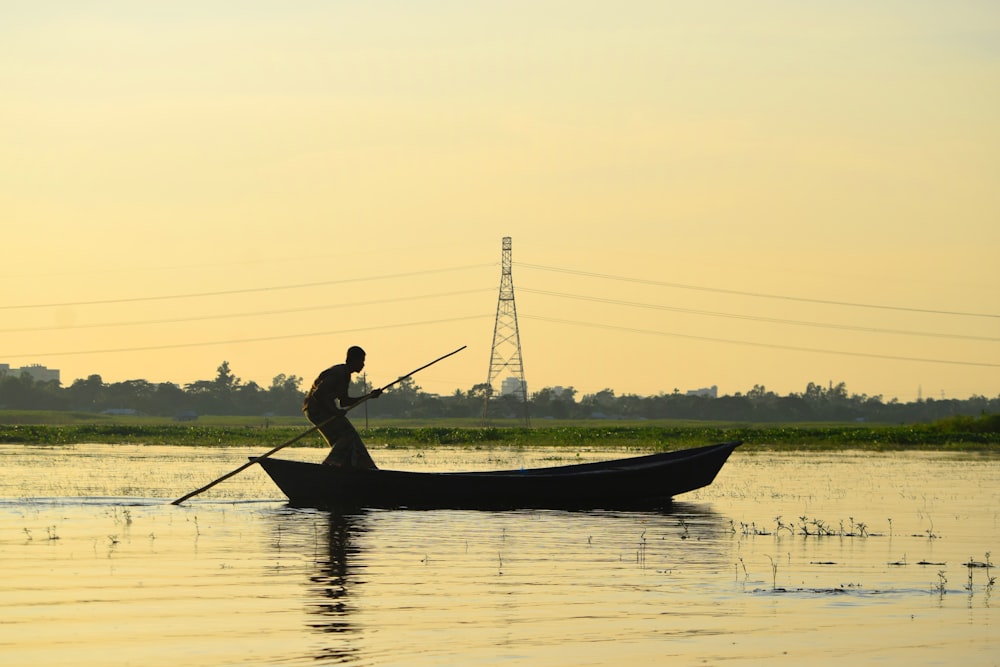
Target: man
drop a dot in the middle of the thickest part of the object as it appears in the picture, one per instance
(328, 398)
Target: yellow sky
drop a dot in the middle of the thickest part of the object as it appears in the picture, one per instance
(698, 193)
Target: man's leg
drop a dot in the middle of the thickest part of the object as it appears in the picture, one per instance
(347, 448)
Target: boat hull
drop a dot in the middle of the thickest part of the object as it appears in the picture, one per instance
(638, 482)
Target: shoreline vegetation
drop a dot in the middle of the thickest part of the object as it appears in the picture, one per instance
(965, 434)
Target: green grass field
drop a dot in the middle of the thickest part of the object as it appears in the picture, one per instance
(61, 428)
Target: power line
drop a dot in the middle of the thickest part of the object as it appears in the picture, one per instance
(531, 317)
(759, 295)
(234, 341)
(540, 318)
(284, 311)
(757, 318)
(249, 290)
(766, 345)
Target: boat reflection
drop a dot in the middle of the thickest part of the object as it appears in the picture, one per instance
(410, 574)
(330, 586)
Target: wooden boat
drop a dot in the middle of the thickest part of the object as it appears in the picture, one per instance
(632, 483)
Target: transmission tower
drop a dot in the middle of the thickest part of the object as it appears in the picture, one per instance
(506, 352)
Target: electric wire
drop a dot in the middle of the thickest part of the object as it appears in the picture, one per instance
(256, 339)
(226, 316)
(248, 290)
(525, 315)
(757, 318)
(757, 295)
(774, 346)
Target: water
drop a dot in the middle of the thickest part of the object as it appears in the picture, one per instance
(99, 569)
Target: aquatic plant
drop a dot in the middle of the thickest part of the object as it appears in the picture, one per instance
(941, 587)
(746, 574)
(986, 565)
(120, 516)
(235, 431)
(774, 573)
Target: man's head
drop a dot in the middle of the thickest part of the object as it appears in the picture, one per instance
(355, 359)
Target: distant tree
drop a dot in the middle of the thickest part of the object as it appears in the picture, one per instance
(203, 396)
(227, 394)
(134, 394)
(603, 402)
(225, 381)
(285, 396)
(87, 394)
(171, 400)
(399, 401)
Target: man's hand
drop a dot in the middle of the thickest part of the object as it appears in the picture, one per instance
(375, 393)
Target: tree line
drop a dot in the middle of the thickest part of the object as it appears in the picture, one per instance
(227, 394)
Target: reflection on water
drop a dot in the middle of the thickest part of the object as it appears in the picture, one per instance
(766, 566)
(482, 586)
(332, 584)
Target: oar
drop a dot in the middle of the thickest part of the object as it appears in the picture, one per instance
(307, 432)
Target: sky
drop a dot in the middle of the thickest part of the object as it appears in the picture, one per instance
(698, 193)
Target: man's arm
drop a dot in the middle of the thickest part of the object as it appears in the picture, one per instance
(348, 401)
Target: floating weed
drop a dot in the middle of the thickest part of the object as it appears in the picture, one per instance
(986, 565)
(902, 562)
(842, 589)
(748, 529)
(807, 527)
(120, 516)
(941, 587)
(277, 538)
(746, 575)
(929, 532)
(973, 563)
(774, 573)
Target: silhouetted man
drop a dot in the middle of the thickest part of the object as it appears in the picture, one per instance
(326, 406)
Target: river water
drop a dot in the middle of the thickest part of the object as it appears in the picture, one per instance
(787, 559)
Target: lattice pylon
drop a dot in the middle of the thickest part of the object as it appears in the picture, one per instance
(506, 351)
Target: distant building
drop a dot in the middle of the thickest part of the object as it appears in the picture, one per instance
(510, 386)
(709, 392)
(37, 372)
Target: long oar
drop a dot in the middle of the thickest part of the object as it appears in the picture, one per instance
(305, 433)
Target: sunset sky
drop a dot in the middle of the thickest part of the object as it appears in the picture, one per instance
(698, 193)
